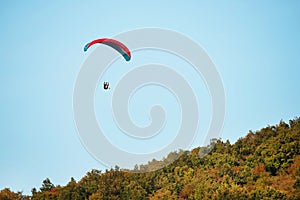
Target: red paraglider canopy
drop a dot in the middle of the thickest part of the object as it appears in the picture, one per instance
(118, 46)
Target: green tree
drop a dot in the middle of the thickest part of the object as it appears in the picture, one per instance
(47, 185)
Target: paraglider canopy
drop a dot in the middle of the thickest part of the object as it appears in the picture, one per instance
(118, 46)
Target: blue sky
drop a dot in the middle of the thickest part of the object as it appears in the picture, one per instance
(255, 47)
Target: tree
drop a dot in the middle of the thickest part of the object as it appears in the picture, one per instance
(33, 191)
(47, 185)
(6, 194)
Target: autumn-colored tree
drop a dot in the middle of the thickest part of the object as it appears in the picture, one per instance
(265, 164)
(6, 194)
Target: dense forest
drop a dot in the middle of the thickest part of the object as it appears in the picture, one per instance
(263, 165)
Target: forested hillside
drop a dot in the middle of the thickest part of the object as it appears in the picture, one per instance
(263, 165)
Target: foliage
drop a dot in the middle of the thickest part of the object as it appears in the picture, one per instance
(262, 165)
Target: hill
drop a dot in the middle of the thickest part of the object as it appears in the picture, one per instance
(263, 165)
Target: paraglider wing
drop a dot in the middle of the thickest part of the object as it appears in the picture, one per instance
(118, 46)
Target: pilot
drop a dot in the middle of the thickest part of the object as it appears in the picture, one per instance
(106, 85)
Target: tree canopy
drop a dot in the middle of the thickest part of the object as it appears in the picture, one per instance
(263, 165)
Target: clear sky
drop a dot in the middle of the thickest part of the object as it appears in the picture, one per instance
(255, 46)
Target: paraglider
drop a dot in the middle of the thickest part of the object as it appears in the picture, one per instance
(106, 85)
(118, 46)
